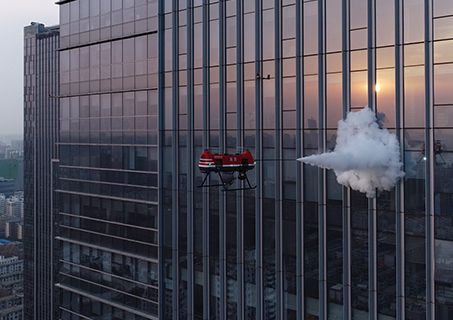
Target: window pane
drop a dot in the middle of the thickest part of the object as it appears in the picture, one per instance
(269, 31)
(311, 101)
(359, 89)
(414, 95)
(334, 30)
(443, 116)
(443, 51)
(414, 20)
(359, 39)
(385, 57)
(442, 28)
(385, 90)
(288, 22)
(442, 7)
(359, 60)
(414, 54)
(310, 27)
(443, 78)
(289, 93)
(385, 22)
(358, 14)
(334, 99)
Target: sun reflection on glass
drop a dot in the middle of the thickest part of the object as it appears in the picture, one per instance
(377, 87)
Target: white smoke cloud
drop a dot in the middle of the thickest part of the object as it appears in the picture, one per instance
(365, 157)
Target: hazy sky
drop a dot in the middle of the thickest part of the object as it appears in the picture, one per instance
(15, 15)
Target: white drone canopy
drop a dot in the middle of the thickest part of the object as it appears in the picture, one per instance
(365, 157)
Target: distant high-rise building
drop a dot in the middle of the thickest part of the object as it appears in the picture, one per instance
(20, 231)
(13, 230)
(2, 204)
(14, 207)
(17, 144)
(41, 79)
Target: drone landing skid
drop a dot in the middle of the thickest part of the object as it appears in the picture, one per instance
(226, 185)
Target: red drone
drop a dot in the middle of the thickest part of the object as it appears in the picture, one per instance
(225, 166)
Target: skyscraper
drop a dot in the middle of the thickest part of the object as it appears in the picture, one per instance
(146, 86)
(275, 77)
(107, 188)
(14, 207)
(41, 81)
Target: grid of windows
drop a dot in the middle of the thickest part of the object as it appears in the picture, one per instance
(275, 77)
(107, 188)
(156, 82)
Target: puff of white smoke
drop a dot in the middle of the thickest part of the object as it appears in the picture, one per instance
(366, 157)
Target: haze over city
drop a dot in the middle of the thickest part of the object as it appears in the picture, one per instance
(14, 16)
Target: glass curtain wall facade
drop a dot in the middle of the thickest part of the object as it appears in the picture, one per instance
(145, 86)
(41, 63)
(107, 187)
(301, 246)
